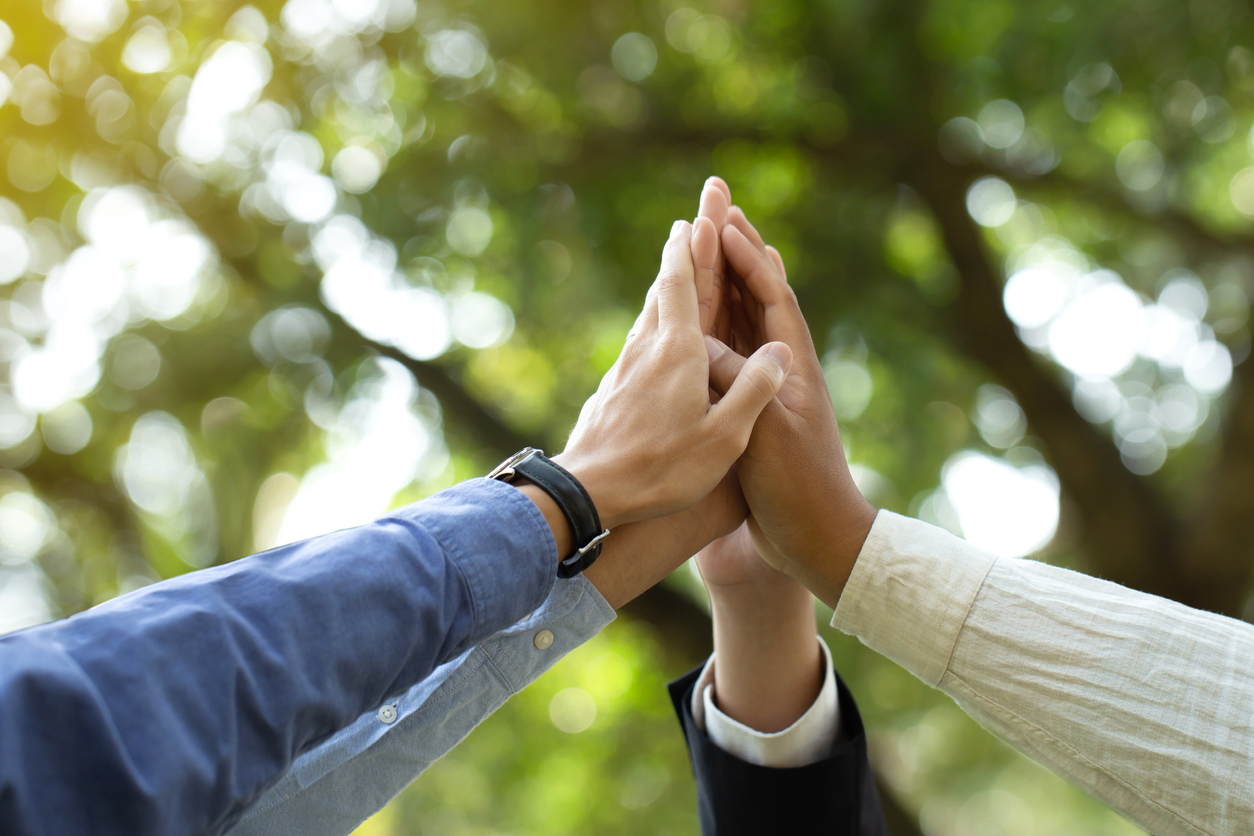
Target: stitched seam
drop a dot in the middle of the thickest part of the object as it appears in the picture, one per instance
(509, 686)
(1081, 758)
(439, 696)
(568, 605)
(965, 615)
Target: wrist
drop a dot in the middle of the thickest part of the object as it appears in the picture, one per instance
(602, 485)
(768, 670)
(552, 515)
(843, 545)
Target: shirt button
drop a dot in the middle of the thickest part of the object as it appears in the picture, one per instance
(544, 639)
(387, 715)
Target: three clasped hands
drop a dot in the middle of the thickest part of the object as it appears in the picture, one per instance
(297, 691)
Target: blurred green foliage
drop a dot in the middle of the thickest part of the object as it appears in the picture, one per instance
(202, 352)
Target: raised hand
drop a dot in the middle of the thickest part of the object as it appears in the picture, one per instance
(808, 518)
(650, 443)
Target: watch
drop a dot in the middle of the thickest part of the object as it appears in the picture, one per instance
(577, 506)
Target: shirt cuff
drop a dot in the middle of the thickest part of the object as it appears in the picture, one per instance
(910, 592)
(499, 541)
(808, 740)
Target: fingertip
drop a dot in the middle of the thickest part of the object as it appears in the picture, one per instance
(720, 184)
(704, 241)
(779, 261)
(733, 238)
(713, 204)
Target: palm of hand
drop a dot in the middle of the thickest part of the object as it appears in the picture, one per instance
(733, 561)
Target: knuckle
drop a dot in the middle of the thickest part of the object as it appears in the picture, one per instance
(670, 279)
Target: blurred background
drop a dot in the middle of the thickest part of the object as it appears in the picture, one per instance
(268, 270)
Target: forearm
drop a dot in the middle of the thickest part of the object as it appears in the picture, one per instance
(182, 702)
(1142, 702)
(768, 668)
(325, 794)
(329, 791)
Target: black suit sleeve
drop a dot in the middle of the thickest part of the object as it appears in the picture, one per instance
(835, 796)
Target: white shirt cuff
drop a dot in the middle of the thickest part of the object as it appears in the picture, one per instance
(910, 592)
(806, 741)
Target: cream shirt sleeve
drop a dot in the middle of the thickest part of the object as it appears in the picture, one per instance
(806, 741)
(1146, 704)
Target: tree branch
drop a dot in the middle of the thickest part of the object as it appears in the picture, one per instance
(1216, 560)
(1132, 536)
(474, 418)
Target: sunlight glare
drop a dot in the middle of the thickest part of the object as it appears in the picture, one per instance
(1007, 510)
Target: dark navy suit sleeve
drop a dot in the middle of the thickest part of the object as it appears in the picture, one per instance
(833, 797)
(169, 710)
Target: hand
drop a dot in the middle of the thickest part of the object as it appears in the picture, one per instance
(808, 517)
(649, 443)
(767, 665)
(641, 554)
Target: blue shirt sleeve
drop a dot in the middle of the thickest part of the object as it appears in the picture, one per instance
(172, 709)
(332, 789)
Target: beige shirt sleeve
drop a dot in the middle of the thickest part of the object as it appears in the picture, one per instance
(1144, 703)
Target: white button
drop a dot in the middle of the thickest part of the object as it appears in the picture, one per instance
(544, 639)
(387, 715)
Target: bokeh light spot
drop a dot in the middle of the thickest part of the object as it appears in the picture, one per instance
(634, 56)
(1140, 165)
(67, 429)
(1004, 509)
(1001, 123)
(1100, 331)
(481, 321)
(469, 230)
(573, 710)
(991, 201)
(148, 51)
(356, 169)
(14, 253)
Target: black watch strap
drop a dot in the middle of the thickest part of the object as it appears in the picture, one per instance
(570, 496)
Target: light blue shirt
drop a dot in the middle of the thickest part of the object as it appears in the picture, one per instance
(332, 789)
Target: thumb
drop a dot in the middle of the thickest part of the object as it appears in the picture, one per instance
(754, 385)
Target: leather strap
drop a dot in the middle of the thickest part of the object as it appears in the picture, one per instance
(571, 497)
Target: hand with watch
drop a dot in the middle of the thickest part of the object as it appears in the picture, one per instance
(650, 443)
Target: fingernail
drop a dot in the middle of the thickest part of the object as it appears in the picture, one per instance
(676, 227)
(781, 354)
(714, 348)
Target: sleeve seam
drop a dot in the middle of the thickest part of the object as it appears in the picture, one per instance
(966, 614)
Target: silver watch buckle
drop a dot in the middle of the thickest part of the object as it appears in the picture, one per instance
(505, 471)
(593, 543)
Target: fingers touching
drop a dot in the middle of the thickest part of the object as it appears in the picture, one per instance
(708, 263)
(675, 288)
(707, 253)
